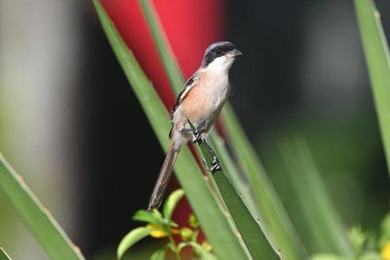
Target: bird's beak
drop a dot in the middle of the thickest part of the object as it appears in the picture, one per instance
(236, 53)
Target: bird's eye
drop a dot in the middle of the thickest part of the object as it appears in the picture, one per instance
(219, 52)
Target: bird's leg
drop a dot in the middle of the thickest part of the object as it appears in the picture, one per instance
(215, 165)
(196, 136)
(200, 137)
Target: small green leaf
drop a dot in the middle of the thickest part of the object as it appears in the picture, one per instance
(149, 217)
(159, 254)
(157, 214)
(202, 252)
(130, 239)
(3, 255)
(172, 202)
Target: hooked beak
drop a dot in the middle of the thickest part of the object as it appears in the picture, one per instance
(236, 53)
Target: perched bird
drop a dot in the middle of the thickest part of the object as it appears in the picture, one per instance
(199, 102)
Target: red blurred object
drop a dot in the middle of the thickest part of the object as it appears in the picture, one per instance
(190, 26)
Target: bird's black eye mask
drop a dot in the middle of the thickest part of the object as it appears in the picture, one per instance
(216, 51)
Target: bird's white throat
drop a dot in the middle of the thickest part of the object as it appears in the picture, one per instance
(220, 65)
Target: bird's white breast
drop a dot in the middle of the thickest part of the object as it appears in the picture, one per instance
(217, 89)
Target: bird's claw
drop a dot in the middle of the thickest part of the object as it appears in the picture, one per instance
(198, 137)
(215, 165)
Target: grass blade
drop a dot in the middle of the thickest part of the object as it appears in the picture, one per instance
(271, 210)
(163, 48)
(4, 255)
(250, 230)
(232, 173)
(326, 231)
(38, 219)
(378, 61)
(216, 226)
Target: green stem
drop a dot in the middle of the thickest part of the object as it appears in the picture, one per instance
(172, 242)
(174, 247)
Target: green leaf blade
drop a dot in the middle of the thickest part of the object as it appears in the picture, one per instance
(148, 217)
(251, 231)
(130, 239)
(171, 203)
(270, 209)
(166, 54)
(159, 254)
(38, 219)
(4, 255)
(324, 225)
(378, 62)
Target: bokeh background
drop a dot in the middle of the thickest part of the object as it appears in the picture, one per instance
(71, 126)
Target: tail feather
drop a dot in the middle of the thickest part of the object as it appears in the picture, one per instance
(163, 179)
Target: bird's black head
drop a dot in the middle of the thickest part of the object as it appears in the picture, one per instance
(219, 49)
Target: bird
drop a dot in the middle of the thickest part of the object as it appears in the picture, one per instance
(197, 107)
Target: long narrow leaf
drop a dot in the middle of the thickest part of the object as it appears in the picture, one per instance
(250, 230)
(378, 61)
(327, 233)
(4, 255)
(232, 173)
(163, 49)
(211, 217)
(38, 219)
(272, 212)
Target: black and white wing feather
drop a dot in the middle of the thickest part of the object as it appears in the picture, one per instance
(190, 83)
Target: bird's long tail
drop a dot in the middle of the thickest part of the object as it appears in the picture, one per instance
(163, 179)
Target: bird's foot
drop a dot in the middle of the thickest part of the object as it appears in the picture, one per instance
(215, 165)
(198, 137)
